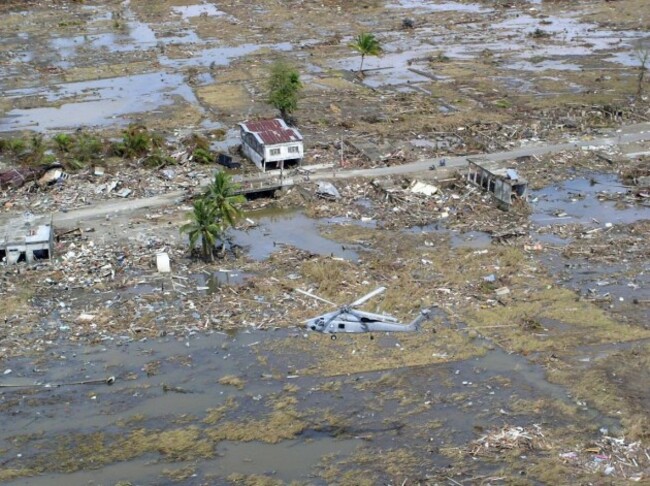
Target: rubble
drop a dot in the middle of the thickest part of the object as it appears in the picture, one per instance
(611, 456)
(327, 190)
(522, 439)
(17, 177)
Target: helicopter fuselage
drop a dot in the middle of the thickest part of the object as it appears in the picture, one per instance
(356, 322)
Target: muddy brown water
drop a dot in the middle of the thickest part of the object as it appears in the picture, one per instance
(194, 365)
(621, 283)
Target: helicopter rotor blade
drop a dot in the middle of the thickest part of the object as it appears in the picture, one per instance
(316, 297)
(368, 296)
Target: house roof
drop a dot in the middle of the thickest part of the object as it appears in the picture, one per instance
(271, 132)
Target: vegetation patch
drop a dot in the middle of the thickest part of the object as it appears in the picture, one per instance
(277, 426)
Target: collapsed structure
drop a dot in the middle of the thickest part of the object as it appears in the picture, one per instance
(505, 185)
(271, 144)
(26, 239)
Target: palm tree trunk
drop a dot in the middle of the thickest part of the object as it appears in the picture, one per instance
(361, 66)
(207, 254)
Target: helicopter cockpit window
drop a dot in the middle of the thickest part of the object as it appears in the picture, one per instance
(341, 326)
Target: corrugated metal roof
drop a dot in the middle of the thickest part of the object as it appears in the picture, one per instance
(273, 131)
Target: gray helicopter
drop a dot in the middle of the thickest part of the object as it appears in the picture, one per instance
(350, 320)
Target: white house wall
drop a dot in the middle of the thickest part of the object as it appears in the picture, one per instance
(284, 152)
(252, 155)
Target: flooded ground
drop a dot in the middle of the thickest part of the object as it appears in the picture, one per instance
(111, 63)
(198, 406)
(533, 366)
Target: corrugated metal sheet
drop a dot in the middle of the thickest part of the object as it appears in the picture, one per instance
(272, 132)
(512, 174)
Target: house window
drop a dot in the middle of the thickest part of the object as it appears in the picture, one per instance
(294, 150)
(275, 151)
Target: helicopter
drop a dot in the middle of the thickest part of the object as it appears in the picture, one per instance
(347, 319)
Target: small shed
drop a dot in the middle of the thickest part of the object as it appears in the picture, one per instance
(271, 144)
(26, 239)
(505, 185)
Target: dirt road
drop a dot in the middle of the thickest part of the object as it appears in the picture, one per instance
(624, 135)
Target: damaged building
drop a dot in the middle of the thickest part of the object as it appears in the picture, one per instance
(271, 144)
(26, 239)
(504, 184)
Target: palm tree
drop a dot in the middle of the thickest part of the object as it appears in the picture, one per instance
(205, 225)
(367, 45)
(221, 194)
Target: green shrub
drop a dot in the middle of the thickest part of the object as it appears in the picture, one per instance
(202, 156)
(87, 147)
(196, 141)
(63, 142)
(158, 160)
(136, 142)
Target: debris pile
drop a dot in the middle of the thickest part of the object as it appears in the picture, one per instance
(612, 457)
(508, 438)
(50, 189)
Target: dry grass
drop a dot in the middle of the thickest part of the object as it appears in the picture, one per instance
(253, 480)
(279, 425)
(615, 385)
(214, 415)
(181, 474)
(330, 277)
(7, 474)
(586, 323)
(357, 353)
(231, 380)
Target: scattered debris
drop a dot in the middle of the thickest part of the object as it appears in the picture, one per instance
(613, 457)
(523, 439)
(327, 190)
(162, 262)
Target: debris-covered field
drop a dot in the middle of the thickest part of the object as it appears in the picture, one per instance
(533, 368)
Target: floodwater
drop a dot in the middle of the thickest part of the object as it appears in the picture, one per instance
(290, 228)
(434, 6)
(200, 10)
(97, 102)
(584, 201)
(570, 42)
(171, 47)
(577, 201)
(173, 381)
